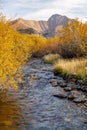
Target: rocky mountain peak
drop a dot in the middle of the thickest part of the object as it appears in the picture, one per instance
(55, 21)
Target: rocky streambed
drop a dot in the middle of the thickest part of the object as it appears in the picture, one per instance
(44, 102)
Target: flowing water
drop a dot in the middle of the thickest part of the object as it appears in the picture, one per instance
(33, 106)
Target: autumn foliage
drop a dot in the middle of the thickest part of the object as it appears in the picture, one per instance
(74, 39)
(16, 48)
(13, 54)
(71, 40)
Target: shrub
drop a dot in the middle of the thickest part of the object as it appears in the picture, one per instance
(13, 54)
(74, 39)
(38, 45)
(52, 45)
(15, 50)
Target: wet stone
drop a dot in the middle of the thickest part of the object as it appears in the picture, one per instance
(54, 82)
(78, 87)
(62, 83)
(71, 85)
(85, 104)
(80, 82)
(60, 93)
(84, 88)
(71, 78)
(80, 100)
(77, 96)
(68, 89)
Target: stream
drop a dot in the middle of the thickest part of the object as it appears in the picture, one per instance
(33, 106)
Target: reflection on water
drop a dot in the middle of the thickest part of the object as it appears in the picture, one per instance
(10, 118)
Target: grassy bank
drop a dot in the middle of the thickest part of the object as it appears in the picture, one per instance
(51, 58)
(74, 66)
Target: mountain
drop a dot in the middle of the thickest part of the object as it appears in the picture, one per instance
(25, 25)
(45, 28)
(56, 21)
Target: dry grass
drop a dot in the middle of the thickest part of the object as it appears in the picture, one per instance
(76, 66)
(51, 58)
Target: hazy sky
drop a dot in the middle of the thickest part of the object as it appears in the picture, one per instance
(43, 9)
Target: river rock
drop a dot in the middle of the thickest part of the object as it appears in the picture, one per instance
(71, 85)
(81, 88)
(77, 96)
(85, 104)
(60, 93)
(62, 83)
(80, 100)
(78, 87)
(84, 88)
(54, 82)
(72, 78)
(80, 82)
(67, 88)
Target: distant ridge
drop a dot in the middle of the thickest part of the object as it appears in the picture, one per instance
(45, 28)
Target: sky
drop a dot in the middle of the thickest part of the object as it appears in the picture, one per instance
(43, 9)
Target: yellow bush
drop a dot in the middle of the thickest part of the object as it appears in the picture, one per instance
(13, 54)
(52, 45)
(73, 39)
(15, 50)
(38, 45)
